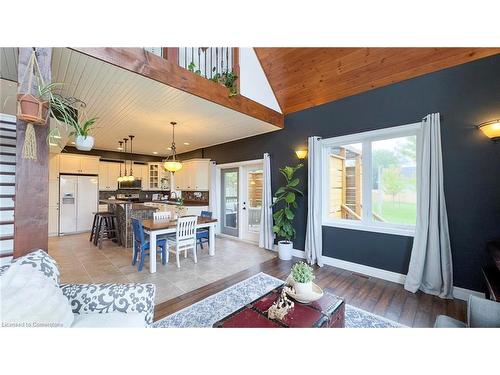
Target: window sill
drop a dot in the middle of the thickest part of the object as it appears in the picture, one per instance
(398, 231)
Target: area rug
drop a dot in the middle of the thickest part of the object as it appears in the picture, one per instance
(206, 312)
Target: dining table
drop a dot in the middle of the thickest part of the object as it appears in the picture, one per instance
(157, 228)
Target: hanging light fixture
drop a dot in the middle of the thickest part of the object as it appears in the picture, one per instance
(131, 175)
(120, 177)
(172, 165)
(125, 174)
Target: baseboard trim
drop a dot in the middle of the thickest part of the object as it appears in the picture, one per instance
(458, 293)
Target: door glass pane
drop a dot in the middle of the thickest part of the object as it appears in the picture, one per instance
(345, 176)
(394, 190)
(254, 206)
(231, 199)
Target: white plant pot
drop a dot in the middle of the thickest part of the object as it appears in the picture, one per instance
(84, 143)
(285, 250)
(303, 288)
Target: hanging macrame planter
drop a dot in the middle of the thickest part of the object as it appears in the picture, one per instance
(32, 108)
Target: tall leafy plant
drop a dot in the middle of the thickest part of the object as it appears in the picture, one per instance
(286, 199)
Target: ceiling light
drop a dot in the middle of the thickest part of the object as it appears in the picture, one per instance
(169, 148)
(72, 143)
(119, 148)
(186, 143)
(172, 165)
(155, 152)
(491, 129)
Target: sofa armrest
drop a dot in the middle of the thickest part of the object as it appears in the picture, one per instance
(106, 298)
(443, 321)
(483, 313)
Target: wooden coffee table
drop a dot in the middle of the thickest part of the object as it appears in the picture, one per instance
(327, 312)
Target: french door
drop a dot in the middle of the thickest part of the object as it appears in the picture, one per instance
(241, 200)
(251, 184)
(230, 201)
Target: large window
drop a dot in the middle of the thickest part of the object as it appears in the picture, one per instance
(371, 180)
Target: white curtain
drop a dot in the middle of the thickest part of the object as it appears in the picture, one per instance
(213, 201)
(430, 268)
(266, 236)
(314, 240)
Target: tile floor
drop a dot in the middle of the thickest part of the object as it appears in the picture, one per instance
(82, 262)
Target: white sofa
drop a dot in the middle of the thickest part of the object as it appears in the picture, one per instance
(33, 296)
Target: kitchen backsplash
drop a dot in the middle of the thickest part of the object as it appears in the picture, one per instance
(195, 196)
(143, 195)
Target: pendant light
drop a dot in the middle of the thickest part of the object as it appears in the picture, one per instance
(172, 165)
(120, 177)
(125, 174)
(131, 176)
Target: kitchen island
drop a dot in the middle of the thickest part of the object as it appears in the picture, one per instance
(124, 211)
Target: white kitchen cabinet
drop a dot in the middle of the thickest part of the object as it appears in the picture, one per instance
(158, 178)
(54, 206)
(193, 176)
(141, 171)
(53, 220)
(78, 164)
(108, 174)
(199, 175)
(195, 210)
(53, 166)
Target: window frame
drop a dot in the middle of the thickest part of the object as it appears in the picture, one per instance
(366, 138)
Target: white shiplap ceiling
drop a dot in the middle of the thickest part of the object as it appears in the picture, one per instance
(8, 64)
(127, 103)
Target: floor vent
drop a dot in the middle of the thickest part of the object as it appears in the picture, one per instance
(360, 275)
(7, 185)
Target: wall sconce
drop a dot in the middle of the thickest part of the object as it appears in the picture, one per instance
(491, 129)
(301, 154)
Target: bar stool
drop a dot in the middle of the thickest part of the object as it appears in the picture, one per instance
(106, 228)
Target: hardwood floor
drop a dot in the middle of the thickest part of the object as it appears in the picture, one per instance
(380, 297)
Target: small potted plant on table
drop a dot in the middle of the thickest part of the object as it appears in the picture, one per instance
(302, 275)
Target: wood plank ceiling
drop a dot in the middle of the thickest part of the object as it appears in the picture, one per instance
(128, 103)
(306, 77)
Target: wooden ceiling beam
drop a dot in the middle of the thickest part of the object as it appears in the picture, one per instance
(149, 65)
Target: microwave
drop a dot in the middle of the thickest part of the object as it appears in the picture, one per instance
(136, 184)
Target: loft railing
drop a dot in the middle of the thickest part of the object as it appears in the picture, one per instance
(208, 62)
(204, 61)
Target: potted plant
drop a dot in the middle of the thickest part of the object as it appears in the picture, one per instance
(33, 105)
(302, 275)
(286, 197)
(81, 129)
(227, 79)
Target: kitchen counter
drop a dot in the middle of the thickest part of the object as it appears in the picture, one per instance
(186, 203)
(124, 211)
(141, 207)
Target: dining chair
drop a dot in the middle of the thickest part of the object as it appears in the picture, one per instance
(141, 246)
(185, 238)
(202, 235)
(162, 215)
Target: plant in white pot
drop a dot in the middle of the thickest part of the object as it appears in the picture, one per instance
(286, 197)
(302, 275)
(80, 129)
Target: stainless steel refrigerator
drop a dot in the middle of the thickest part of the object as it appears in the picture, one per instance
(78, 201)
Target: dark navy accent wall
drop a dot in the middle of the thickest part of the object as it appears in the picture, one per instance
(464, 95)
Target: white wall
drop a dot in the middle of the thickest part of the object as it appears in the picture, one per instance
(253, 81)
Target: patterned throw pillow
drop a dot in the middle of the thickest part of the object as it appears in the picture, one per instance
(42, 262)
